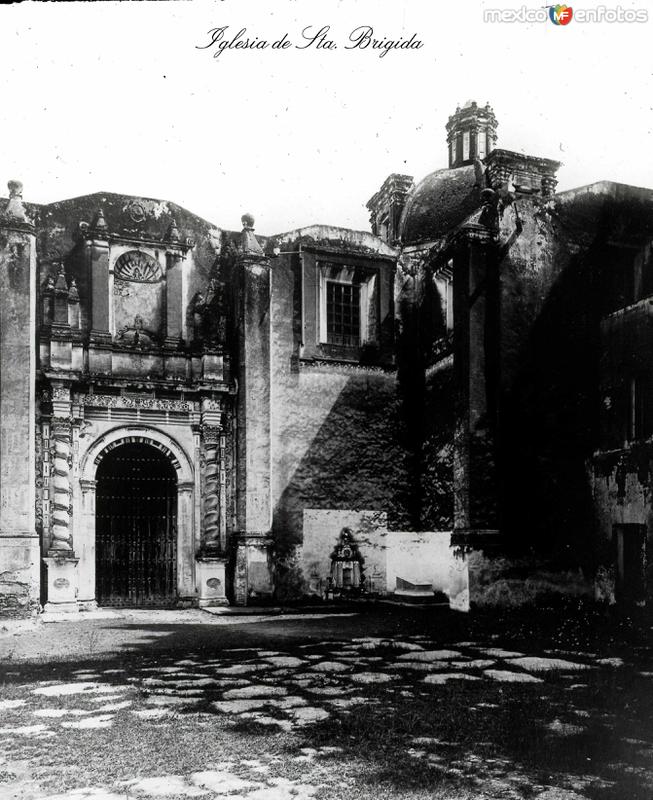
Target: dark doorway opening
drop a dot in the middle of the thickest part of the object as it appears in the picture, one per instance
(630, 557)
(136, 528)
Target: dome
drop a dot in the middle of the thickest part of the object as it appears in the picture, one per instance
(440, 202)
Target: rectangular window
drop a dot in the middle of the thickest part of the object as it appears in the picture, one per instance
(465, 145)
(343, 311)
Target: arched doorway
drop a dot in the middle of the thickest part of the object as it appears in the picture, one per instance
(136, 527)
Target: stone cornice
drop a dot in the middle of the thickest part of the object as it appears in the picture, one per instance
(138, 241)
(473, 232)
(12, 224)
(345, 252)
(324, 365)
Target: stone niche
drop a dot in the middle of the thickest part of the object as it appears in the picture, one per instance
(138, 299)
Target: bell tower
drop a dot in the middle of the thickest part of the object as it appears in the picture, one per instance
(471, 133)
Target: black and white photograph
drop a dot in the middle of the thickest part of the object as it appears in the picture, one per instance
(326, 400)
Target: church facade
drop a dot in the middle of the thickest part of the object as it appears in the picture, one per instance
(453, 405)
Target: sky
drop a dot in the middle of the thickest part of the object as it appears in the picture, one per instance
(124, 97)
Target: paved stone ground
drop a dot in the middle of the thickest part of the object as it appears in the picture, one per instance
(98, 681)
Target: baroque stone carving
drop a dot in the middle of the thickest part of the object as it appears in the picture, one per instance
(136, 212)
(61, 393)
(211, 405)
(138, 267)
(136, 335)
(211, 440)
(140, 403)
(61, 534)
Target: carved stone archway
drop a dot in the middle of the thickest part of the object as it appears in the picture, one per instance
(84, 500)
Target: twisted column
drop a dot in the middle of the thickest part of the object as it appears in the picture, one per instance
(211, 440)
(61, 533)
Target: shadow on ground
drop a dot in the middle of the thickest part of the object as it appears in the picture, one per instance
(413, 707)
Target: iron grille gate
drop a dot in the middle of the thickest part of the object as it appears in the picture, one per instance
(136, 528)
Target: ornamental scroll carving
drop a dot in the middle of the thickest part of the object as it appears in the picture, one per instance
(142, 403)
(138, 267)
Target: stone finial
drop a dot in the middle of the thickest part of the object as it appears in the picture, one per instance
(489, 217)
(73, 293)
(61, 298)
(15, 208)
(248, 241)
(172, 234)
(99, 224)
(61, 284)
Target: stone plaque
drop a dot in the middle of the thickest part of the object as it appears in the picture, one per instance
(61, 583)
(213, 583)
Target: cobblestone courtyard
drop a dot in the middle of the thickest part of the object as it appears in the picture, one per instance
(390, 703)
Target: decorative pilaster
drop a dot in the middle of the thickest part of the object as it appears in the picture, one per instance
(74, 319)
(61, 540)
(100, 279)
(61, 298)
(211, 559)
(175, 297)
(60, 561)
(211, 442)
(47, 307)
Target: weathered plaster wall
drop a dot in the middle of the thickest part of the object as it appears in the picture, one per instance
(335, 429)
(419, 558)
(547, 382)
(335, 445)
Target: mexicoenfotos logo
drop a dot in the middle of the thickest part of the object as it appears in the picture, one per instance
(561, 15)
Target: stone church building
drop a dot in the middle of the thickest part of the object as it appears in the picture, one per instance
(456, 405)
